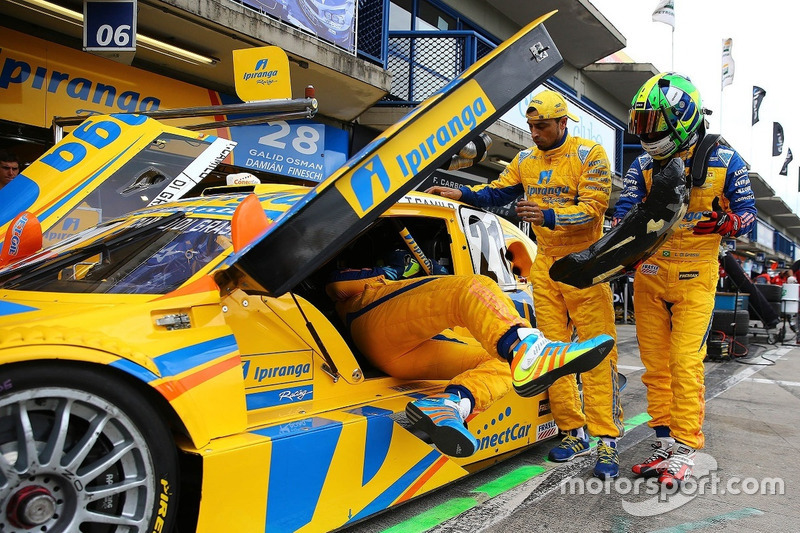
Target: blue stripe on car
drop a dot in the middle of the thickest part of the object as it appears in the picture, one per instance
(379, 436)
(183, 359)
(385, 499)
(10, 308)
(301, 458)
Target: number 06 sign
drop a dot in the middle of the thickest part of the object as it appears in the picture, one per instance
(109, 25)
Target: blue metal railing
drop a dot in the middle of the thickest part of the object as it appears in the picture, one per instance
(422, 62)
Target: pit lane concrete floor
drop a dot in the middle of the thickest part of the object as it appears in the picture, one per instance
(748, 474)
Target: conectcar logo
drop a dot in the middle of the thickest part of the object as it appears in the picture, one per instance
(517, 431)
(503, 434)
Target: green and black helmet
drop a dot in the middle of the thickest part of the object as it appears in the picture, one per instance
(665, 113)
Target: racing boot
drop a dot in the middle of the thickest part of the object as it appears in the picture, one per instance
(440, 417)
(538, 362)
(657, 462)
(679, 466)
(574, 444)
(607, 466)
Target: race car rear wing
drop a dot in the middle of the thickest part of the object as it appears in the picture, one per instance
(266, 111)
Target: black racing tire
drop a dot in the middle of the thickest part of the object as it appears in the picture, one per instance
(772, 293)
(82, 451)
(724, 320)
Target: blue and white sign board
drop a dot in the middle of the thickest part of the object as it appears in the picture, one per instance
(730, 245)
(109, 26)
(301, 149)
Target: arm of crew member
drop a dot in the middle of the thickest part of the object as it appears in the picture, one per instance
(502, 191)
(740, 195)
(633, 191)
(447, 192)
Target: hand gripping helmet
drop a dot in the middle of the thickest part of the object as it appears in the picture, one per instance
(665, 113)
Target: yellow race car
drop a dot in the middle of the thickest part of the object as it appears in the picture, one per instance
(176, 363)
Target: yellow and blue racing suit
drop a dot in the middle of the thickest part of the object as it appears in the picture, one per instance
(403, 327)
(673, 291)
(572, 184)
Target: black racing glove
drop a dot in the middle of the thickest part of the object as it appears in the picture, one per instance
(726, 224)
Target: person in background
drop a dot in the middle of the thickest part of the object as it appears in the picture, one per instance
(780, 278)
(795, 268)
(761, 278)
(9, 167)
(674, 289)
(566, 183)
(400, 319)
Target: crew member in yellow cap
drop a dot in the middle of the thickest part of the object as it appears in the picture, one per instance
(566, 184)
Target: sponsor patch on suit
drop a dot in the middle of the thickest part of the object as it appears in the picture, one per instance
(649, 269)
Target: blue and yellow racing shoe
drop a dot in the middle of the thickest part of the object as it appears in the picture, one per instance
(607, 466)
(538, 362)
(440, 418)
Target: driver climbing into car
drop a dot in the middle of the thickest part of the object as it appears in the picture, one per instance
(400, 318)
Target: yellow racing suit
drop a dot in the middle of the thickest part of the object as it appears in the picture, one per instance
(673, 291)
(402, 327)
(572, 184)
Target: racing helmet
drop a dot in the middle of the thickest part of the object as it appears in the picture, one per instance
(665, 113)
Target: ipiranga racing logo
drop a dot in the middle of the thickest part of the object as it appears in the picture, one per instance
(410, 148)
(433, 143)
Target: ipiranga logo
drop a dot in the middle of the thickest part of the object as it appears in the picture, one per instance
(414, 146)
(261, 71)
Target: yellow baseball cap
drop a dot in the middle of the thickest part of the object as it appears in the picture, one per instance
(548, 104)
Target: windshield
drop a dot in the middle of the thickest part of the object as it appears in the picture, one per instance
(134, 185)
(149, 255)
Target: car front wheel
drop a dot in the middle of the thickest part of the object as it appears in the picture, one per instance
(81, 451)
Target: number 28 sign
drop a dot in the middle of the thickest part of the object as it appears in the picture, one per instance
(109, 25)
(302, 149)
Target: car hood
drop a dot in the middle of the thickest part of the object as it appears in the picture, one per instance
(103, 148)
(319, 224)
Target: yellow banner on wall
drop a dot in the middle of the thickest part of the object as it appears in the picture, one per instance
(261, 73)
(40, 80)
